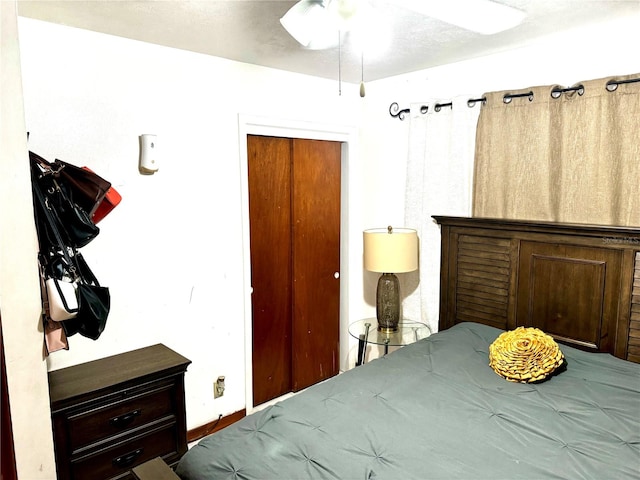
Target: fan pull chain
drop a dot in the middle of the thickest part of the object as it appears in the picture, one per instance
(362, 72)
(339, 64)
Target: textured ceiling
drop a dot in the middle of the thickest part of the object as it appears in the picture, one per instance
(250, 31)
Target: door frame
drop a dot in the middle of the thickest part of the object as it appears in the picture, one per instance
(350, 219)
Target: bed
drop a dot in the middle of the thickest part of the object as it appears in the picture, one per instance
(436, 409)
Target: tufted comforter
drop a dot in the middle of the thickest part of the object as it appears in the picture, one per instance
(436, 410)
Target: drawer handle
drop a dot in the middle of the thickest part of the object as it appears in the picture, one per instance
(122, 421)
(127, 459)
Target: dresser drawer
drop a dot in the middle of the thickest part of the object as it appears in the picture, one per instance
(117, 461)
(131, 411)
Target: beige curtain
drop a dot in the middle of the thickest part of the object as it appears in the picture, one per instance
(564, 157)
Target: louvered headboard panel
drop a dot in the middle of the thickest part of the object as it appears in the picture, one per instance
(579, 283)
(483, 276)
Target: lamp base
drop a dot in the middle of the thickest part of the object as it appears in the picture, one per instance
(388, 303)
(387, 330)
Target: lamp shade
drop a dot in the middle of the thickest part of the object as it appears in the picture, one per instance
(390, 250)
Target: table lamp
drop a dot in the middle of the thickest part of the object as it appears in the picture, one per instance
(389, 251)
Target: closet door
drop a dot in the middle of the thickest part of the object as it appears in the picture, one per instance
(316, 261)
(270, 223)
(294, 203)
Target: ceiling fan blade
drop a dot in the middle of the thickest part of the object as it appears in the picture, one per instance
(482, 16)
(316, 24)
(306, 20)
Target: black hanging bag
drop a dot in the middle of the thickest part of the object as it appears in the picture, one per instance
(71, 219)
(94, 302)
(77, 225)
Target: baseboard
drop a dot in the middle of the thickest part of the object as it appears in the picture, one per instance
(211, 427)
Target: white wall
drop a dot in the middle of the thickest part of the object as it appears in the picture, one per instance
(19, 285)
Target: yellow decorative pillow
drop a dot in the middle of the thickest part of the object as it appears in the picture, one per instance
(525, 355)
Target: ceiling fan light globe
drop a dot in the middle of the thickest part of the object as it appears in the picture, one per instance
(344, 12)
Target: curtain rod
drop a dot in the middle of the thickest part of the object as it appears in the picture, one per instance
(556, 92)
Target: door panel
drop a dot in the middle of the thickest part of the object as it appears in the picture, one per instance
(316, 260)
(269, 203)
(569, 291)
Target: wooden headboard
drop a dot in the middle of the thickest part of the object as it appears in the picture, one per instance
(579, 283)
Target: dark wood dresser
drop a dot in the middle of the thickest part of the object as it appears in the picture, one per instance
(112, 414)
(579, 283)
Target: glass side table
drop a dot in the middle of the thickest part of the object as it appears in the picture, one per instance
(366, 331)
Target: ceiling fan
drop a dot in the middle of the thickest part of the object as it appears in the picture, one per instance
(315, 23)
(320, 24)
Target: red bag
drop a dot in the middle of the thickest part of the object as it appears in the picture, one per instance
(109, 202)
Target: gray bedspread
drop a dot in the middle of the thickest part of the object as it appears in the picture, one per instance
(436, 410)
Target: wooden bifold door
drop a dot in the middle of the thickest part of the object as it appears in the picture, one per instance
(294, 206)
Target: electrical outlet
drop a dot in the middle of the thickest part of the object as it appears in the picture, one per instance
(218, 387)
